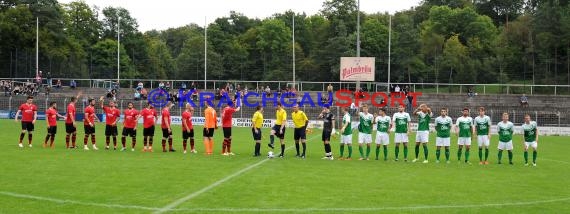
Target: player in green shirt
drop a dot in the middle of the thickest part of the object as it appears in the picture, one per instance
(443, 125)
(383, 126)
(482, 125)
(530, 139)
(346, 135)
(422, 135)
(464, 129)
(401, 121)
(505, 129)
(365, 132)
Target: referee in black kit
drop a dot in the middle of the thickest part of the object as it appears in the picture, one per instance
(328, 129)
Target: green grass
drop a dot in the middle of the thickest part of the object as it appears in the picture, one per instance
(39, 180)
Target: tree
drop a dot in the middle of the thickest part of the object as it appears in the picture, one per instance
(105, 59)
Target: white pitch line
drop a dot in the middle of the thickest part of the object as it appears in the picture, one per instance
(346, 209)
(63, 201)
(178, 202)
(356, 209)
(558, 161)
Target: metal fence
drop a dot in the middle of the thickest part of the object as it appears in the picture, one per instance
(544, 118)
(436, 88)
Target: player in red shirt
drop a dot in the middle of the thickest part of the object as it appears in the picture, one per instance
(227, 122)
(29, 113)
(89, 124)
(188, 128)
(112, 115)
(130, 126)
(70, 127)
(51, 120)
(166, 121)
(149, 119)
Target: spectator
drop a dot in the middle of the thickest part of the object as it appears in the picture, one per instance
(524, 101)
(231, 88)
(58, 84)
(193, 86)
(471, 92)
(353, 108)
(144, 93)
(183, 86)
(330, 88)
(73, 84)
(410, 101)
(137, 95)
(17, 90)
(39, 78)
(167, 86)
(397, 89)
(140, 86)
(161, 85)
(268, 91)
(49, 79)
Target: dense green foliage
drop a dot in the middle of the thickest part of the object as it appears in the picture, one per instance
(455, 41)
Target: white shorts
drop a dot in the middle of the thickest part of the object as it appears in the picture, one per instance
(422, 136)
(483, 140)
(364, 138)
(464, 141)
(382, 138)
(506, 146)
(346, 139)
(401, 138)
(439, 141)
(533, 144)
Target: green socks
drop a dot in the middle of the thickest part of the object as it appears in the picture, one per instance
(525, 157)
(486, 154)
(459, 154)
(367, 151)
(405, 152)
(417, 150)
(500, 155)
(361, 150)
(349, 151)
(510, 156)
(437, 154)
(397, 151)
(467, 155)
(341, 149)
(480, 154)
(425, 151)
(447, 154)
(385, 152)
(534, 154)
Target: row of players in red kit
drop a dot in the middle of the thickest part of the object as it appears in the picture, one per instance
(131, 116)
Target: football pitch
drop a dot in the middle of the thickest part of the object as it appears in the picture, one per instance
(39, 180)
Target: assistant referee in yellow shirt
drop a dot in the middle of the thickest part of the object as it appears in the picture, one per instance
(256, 123)
(300, 121)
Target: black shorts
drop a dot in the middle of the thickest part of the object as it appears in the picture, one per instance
(256, 136)
(89, 129)
(300, 133)
(28, 126)
(131, 132)
(166, 133)
(277, 129)
(187, 134)
(326, 135)
(209, 133)
(111, 130)
(227, 132)
(52, 130)
(148, 132)
(69, 128)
